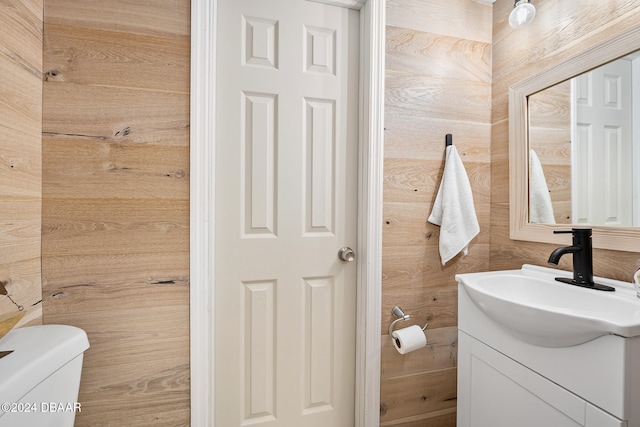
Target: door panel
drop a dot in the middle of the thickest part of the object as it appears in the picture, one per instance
(603, 150)
(286, 180)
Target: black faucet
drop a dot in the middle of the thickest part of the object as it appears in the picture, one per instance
(582, 259)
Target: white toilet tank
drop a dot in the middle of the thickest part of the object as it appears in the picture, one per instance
(40, 378)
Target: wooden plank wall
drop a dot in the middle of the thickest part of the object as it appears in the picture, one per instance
(516, 54)
(115, 239)
(438, 81)
(20, 156)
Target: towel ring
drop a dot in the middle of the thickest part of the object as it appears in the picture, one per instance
(400, 316)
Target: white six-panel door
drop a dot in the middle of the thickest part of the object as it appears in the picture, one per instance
(286, 181)
(602, 148)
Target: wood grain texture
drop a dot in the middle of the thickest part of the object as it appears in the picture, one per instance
(438, 81)
(422, 138)
(417, 394)
(517, 54)
(441, 18)
(115, 211)
(21, 156)
(442, 418)
(147, 17)
(417, 95)
(109, 58)
(437, 55)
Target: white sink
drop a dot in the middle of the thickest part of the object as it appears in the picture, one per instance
(530, 305)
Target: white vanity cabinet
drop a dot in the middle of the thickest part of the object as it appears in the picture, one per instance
(504, 381)
(496, 391)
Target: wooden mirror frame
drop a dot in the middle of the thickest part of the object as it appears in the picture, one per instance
(614, 238)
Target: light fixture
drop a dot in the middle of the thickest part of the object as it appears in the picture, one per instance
(522, 14)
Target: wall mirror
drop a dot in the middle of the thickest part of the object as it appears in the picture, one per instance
(574, 147)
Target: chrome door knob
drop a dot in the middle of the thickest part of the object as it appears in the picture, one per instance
(346, 254)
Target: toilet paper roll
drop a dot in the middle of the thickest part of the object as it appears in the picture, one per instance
(409, 339)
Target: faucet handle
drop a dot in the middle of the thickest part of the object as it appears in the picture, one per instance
(575, 231)
(562, 231)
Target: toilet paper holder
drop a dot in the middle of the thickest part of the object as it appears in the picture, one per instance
(400, 316)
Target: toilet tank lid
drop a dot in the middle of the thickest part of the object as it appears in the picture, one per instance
(38, 351)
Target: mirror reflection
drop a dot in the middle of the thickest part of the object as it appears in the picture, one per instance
(584, 148)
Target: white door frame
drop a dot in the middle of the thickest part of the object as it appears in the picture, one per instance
(202, 213)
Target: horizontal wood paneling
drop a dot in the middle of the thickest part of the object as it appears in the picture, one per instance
(421, 138)
(438, 81)
(416, 95)
(109, 58)
(133, 116)
(517, 54)
(417, 181)
(157, 169)
(115, 235)
(417, 394)
(442, 18)
(442, 418)
(147, 226)
(147, 17)
(428, 53)
(21, 156)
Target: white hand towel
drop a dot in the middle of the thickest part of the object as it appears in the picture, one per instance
(453, 209)
(540, 206)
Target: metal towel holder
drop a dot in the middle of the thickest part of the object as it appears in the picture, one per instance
(400, 316)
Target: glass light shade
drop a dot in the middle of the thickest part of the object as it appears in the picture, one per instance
(522, 15)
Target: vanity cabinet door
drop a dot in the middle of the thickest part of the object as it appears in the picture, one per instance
(496, 391)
